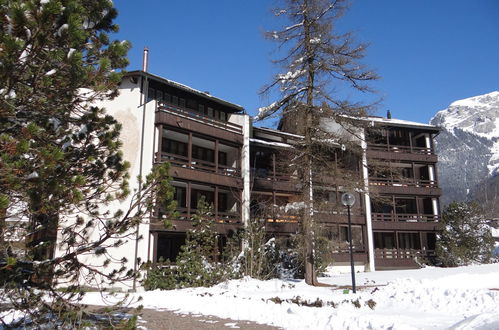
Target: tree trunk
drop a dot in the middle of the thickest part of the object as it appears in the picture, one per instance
(308, 234)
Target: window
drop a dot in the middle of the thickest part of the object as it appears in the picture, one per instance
(409, 241)
(210, 112)
(384, 240)
(201, 108)
(167, 98)
(159, 96)
(181, 102)
(196, 195)
(222, 202)
(381, 207)
(431, 239)
(222, 158)
(191, 104)
(204, 154)
(399, 136)
(151, 94)
(356, 236)
(174, 147)
(406, 206)
(168, 246)
(223, 116)
(174, 100)
(179, 195)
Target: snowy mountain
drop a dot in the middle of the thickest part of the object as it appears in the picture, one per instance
(468, 147)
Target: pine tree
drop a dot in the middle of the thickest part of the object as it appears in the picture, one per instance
(318, 62)
(196, 264)
(60, 158)
(466, 238)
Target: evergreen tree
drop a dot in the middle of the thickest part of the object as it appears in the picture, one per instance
(466, 238)
(318, 62)
(196, 264)
(60, 158)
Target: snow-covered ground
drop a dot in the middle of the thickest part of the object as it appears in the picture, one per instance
(429, 298)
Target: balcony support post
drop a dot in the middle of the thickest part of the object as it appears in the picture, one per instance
(216, 156)
(160, 143)
(273, 168)
(188, 199)
(215, 200)
(189, 149)
(410, 141)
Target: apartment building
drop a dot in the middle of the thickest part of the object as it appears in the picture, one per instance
(215, 152)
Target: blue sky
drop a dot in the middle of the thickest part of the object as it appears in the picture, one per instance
(428, 53)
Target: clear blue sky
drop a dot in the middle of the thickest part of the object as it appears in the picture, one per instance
(428, 53)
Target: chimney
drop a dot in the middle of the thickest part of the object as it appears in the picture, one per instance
(388, 114)
(145, 59)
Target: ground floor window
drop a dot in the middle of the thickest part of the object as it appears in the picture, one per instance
(384, 240)
(168, 246)
(357, 240)
(409, 241)
(431, 239)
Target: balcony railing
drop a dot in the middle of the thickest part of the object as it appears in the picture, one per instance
(197, 164)
(402, 149)
(196, 116)
(401, 253)
(226, 217)
(402, 182)
(405, 217)
(260, 173)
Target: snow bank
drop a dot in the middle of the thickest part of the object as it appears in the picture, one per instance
(429, 298)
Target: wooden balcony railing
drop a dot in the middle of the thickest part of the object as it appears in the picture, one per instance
(227, 217)
(402, 182)
(401, 253)
(403, 149)
(193, 115)
(284, 218)
(261, 173)
(404, 217)
(197, 164)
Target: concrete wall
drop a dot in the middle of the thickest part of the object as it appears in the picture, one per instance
(128, 109)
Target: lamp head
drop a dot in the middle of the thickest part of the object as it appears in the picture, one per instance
(348, 199)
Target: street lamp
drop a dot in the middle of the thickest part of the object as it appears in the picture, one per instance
(348, 199)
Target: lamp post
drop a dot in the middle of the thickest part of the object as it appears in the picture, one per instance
(348, 199)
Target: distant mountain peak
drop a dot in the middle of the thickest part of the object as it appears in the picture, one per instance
(468, 145)
(485, 100)
(478, 115)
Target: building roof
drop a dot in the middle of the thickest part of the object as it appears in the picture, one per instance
(186, 88)
(400, 123)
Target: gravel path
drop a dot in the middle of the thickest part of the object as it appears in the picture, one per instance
(162, 319)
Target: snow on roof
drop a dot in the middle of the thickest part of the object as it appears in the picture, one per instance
(398, 122)
(279, 132)
(188, 89)
(271, 143)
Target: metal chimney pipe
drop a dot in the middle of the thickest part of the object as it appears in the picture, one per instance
(145, 59)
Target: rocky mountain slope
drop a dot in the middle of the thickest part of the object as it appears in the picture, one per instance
(468, 148)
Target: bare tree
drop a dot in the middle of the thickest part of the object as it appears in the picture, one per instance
(319, 63)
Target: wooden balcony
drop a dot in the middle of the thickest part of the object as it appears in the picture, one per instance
(223, 221)
(396, 152)
(406, 182)
(400, 258)
(405, 217)
(269, 180)
(388, 221)
(406, 186)
(195, 122)
(199, 170)
(197, 164)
